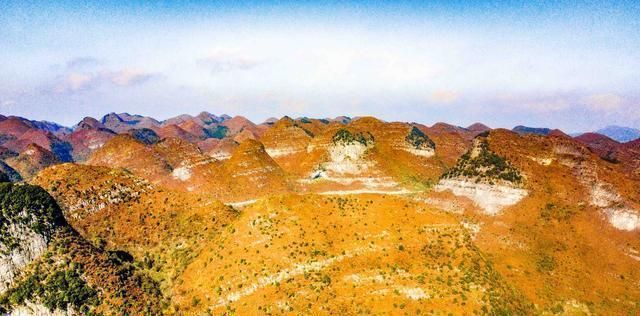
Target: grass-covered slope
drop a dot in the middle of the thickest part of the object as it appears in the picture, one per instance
(162, 229)
(344, 256)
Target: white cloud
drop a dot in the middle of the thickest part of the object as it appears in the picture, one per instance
(77, 81)
(604, 102)
(444, 96)
(128, 77)
(224, 61)
(83, 81)
(534, 103)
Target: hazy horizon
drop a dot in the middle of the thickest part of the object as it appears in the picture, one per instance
(260, 121)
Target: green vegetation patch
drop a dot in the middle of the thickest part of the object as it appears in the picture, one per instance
(486, 166)
(218, 132)
(26, 206)
(556, 212)
(59, 289)
(545, 263)
(419, 140)
(346, 137)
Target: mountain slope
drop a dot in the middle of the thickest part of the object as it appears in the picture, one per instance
(161, 228)
(571, 241)
(50, 268)
(30, 161)
(351, 255)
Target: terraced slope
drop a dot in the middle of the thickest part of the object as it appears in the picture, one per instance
(344, 255)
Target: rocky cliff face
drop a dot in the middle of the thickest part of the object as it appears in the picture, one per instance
(28, 217)
(346, 153)
(491, 198)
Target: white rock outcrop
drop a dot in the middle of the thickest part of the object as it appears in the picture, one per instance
(614, 207)
(182, 173)
(347, 158)
(491, 198)
(32, 309)
(604, 196)
(29, 247)
(282, 151)
(423, 152)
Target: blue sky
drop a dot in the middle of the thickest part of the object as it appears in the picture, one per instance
(558, 64)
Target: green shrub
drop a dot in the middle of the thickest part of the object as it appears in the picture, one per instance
(418, 139)
(551, 211)
(486, 166)
(344, 136)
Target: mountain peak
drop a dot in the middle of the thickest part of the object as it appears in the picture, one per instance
(88, 123)
(478, 127)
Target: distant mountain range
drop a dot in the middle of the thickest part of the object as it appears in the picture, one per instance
(620, 133)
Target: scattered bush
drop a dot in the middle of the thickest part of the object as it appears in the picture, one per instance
(344, 136)
(486, 166)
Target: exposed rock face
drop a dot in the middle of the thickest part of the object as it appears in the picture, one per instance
(29, 247)
(30, 309)
(618, 211)
(181, 173)
(347, 158)
(86, 140)
(484, 177)
(619, 214)
(219, 149)
(28, 217)
(119, 189)
(491, 198)
(347, 151)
